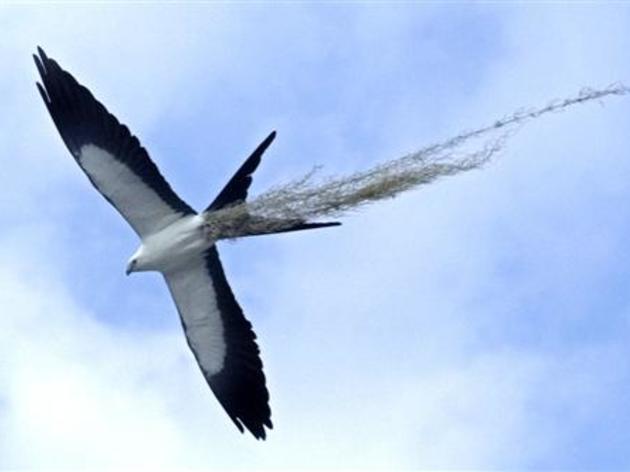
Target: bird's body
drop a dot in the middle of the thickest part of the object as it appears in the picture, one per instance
(172, 247)
(175, 240)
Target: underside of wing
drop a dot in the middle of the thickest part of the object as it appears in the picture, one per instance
(113, 159)
(222, 341)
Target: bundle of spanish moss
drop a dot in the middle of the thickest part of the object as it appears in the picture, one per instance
(310, 198)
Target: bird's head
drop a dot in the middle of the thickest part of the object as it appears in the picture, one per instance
(135, 263)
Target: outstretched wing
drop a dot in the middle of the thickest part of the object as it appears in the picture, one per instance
(222, 341)
(113, 159)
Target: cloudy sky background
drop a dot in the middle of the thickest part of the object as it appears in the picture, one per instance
(483, 321)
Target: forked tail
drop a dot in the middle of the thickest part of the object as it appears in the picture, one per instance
(235, 193)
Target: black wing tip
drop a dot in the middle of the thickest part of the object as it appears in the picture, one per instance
(42, 92)
(39, 64)
(240, 386)
(253, 421)
(40, 60)
(257, 430)
(41, 53)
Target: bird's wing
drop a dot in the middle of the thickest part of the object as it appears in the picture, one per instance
(222, 341)
(113, 159)
(235, 191)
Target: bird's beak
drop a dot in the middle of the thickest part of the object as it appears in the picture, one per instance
(129, 269)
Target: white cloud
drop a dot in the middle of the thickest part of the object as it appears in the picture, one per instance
(462, 326)
(76, 392)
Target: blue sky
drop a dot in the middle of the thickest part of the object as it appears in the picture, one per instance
(480, 322)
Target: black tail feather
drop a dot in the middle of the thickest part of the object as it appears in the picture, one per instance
(298, 226)
(235, 191)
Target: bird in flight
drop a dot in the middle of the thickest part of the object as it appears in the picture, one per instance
(174, 240)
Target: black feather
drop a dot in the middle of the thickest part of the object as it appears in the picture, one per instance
(240, 385)
(235, 191)
(81, 120)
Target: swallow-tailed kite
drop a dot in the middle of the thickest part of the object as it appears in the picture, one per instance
(173, 240)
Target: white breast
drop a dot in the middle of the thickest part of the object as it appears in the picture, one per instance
(175, 245)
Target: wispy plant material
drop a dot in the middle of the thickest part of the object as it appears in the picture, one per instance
(310, 198)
